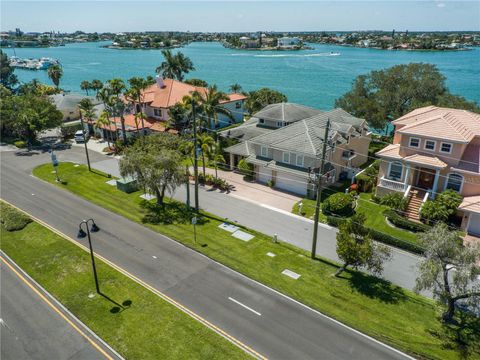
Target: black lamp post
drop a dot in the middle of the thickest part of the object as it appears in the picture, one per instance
(82, 234)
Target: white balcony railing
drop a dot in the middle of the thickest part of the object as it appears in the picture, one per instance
(392, 184)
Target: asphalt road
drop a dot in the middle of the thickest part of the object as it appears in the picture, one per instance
(296, 230)
(273, 325)
(32, 329)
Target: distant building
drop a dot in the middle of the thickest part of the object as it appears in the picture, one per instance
(286, 42)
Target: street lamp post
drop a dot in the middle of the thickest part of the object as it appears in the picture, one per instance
(82, 234)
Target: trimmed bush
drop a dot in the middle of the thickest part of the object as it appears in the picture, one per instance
(20, 144)
(68, 130)
(443, 208)
(12, 219)
(399, 221)
(395, 201)
(338, 204)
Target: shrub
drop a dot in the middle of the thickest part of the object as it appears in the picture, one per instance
(68, 130)
(443, 208)
(450, 199)
(12, 219)
(339, 204)
(395, 201)
(403, 223)
(271, 183)
(365, 182)
(245, 168)
(20, 144)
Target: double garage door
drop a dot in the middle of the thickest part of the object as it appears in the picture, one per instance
(474, 224)
(291, 183)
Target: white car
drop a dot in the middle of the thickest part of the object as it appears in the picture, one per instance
(78, 137)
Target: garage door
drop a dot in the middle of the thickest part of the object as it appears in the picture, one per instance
(263, 174)
(291, 183)
(474, 224)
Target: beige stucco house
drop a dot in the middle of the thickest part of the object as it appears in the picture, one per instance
(288, 143)
(434, 149)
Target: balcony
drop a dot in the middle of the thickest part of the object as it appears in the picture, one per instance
(393, 185)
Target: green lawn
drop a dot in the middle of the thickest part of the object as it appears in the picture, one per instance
(389, 313)
(147, 328)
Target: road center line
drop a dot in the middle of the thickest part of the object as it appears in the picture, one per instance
(245, 306)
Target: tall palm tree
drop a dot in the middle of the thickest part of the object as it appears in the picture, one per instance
(85, 86)
(217, 159)
(235, 88)
(206, 143)
(96, 85)
(105, 96)
(116, 87)
(174, 66)
(210, 101)
(137, 88)
(103, 121)
(55, 73)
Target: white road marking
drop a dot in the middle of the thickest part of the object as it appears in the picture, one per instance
(153, 256)
(245, 306)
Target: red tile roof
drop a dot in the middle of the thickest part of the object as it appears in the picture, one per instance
(130, 125)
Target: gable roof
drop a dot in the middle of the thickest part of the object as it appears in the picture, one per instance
(173, 93)
(442, 123)
(246, 131)
(288, 112)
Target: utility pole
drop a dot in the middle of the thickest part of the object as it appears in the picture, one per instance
(195, 155)
(85, 140)
(319, 190)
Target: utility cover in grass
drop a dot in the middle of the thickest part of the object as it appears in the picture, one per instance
(228, 227)
(291, 274)
(111, 182)
(271, 254)
(147, 197)
(239, 234)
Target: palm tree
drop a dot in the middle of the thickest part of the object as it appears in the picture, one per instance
(174, 66)
(217, 159)
(206, 143)
(102, 121)
(235, 88)
(55, 73)
(105, 97)
(210, 101)
(96, 85)
(137, 88)
(86, 109)
(116, 86)
(85, 86)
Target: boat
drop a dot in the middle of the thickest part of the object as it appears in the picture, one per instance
(33, 64)
(334, 53)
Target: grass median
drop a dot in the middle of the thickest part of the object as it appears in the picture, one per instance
(389, 313)
(130, 318)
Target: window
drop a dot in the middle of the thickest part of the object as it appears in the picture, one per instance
(281, 123)
(286, 157)
(414, 142)
(396, 170)
(300, 160)
(261, 121)
(446, 148)
(430, 145)
(157, 112)
(454, 182)
(238, 105)
(264, 151)
(347, 154)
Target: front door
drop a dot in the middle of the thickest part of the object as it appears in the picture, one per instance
(426, 178)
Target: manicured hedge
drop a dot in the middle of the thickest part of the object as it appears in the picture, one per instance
(338, 204)
(20, 144)
(11, 218)
(398, 220)
(381, 237)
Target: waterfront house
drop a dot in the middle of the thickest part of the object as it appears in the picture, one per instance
(285, 146)
(434, 149)
(288, 42)
(165, 93)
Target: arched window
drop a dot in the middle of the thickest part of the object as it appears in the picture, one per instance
(454, 182)
(396, 170)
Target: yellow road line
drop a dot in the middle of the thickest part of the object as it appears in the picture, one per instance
(165, 297)
(49, 303)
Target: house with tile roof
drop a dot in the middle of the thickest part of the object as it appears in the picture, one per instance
(165, 93)
(288, 153)
(434, 149)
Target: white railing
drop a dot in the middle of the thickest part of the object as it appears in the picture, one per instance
(405, 194)
(392, 184)
(425, 198)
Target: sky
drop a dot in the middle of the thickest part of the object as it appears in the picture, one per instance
(238, 16)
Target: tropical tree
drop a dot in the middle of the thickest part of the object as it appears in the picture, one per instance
(196, 82)
(85, 86)
(449, 269)
(174, 66)
(177, 116)
(217, 159)
(106, 98)
(210, 101)
(102, 122)
(55, 73)
(384, 95)
(157, 168)
(96, 85)
(206, 143)
(7, 77)
(137, 88)
(86, 109)
(235, 88)
(356, 248)
(116, 87)
(258, 99)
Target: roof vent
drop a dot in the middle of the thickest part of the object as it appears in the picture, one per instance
(160, 82)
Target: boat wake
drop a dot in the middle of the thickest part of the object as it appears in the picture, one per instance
(295, 55)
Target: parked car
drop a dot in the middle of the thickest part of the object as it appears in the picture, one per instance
(78, 137)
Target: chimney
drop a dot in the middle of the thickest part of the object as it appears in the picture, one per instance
(160, 82)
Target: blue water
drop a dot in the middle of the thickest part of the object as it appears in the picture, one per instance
(311, 77)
